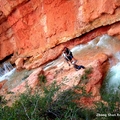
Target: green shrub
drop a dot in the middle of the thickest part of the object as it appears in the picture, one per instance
(51, 104)
(30, 107)
(85, 76)
(42, 78)
(2, 100)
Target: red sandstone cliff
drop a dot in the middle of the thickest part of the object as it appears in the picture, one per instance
(36, 28)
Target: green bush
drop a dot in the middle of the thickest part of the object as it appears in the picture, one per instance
(85, 76)
(42, 79)
(51, 104)
(29, 107)
(2, 101)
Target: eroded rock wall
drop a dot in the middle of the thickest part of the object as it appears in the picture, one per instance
(31, 27)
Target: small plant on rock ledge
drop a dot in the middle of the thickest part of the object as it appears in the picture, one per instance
(2, 100)
(85, 76)
(48, 106)
(42, 79)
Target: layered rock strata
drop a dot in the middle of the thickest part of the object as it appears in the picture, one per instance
(34, 28)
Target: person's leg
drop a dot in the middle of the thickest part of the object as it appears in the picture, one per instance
(67, 61)
(73, 60)
(81, 66)
(78, 67)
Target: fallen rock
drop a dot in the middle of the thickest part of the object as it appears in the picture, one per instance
(19, 63)
(2, 83)
(32, 81)
(114, 30)
(95, 80)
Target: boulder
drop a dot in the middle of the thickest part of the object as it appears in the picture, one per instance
(2, 83)
(19, 63)
(32, 81)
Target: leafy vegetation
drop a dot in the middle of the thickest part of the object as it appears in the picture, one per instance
(51, 104)
(2, 101)
(42, 78)
(85, 76)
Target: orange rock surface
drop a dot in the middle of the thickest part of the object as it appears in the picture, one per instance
(28, 28)
(32, 81)
(2, 83)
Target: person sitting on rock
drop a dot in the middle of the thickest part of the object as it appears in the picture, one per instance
(67, 54)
